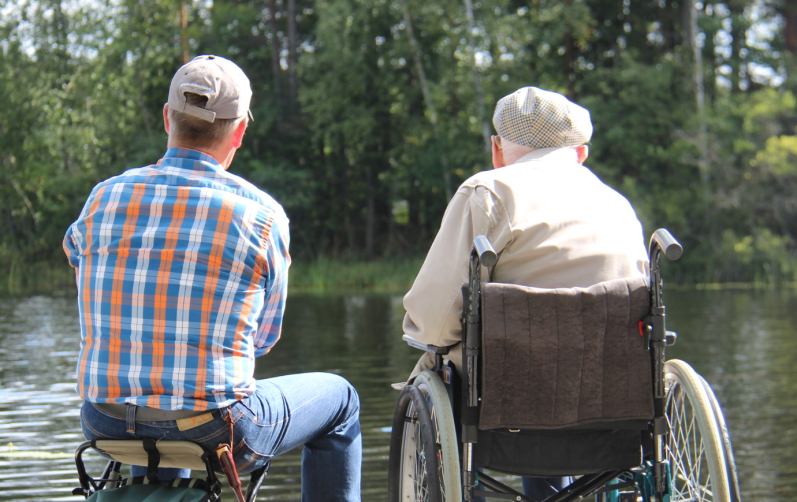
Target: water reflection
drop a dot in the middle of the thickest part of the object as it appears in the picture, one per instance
(742, 342)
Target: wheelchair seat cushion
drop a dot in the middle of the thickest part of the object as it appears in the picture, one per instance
(558, 358)
(562, 452)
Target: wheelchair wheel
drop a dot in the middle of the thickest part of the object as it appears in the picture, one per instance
(730, 460)
(432, 387)
(424, 461)
(695, 445)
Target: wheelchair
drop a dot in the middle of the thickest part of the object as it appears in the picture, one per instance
(570, 382)
(112, 486)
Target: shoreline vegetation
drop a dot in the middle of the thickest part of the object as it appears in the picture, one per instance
(375, 115)
(324, 275)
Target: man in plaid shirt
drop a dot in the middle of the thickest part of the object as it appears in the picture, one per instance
(182, 273)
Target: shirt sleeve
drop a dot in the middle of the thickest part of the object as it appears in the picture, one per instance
(71, 249)
(276, 286)
(74, 239)
(434, 303)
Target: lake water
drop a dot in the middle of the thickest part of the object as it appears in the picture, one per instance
(743, 342)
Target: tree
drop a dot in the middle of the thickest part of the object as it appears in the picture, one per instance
(369, 113)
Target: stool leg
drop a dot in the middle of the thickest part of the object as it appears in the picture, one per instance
(255, 482)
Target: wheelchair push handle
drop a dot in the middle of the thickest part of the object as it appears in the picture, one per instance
(667, 243)
(487, 255)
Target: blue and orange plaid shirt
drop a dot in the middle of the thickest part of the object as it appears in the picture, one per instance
(182, 273)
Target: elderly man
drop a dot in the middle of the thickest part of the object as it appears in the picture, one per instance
(553, 223)
(182, 274)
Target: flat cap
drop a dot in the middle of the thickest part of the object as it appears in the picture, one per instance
(538, 118)
(220, 80)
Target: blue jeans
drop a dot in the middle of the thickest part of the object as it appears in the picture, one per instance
(542, 488)
(317, 410)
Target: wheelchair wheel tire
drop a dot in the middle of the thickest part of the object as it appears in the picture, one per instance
(414, 464)
(695, 445)
(730, 460)
(434, 390)
(424, 422)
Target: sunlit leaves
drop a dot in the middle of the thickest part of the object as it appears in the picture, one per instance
(779, 156)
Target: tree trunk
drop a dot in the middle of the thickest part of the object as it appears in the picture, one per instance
(427, 98)
(370, 220)
(738, 34)
(790, 27)
(569, 67)
(184, 30)
(292, 83)
(690, 36)
(276, 47)
(689, 24)
(709, 59)
(477, 79)
(26, 201)
(690, 33)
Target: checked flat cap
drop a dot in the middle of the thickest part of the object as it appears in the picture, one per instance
(538, 118)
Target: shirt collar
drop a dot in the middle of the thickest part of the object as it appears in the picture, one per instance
(201, 160)
(561, 154)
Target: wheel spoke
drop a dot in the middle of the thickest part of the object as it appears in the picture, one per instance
(428, 468)
(687, 451)
(691, 437)
(419, 478)
(433, 412)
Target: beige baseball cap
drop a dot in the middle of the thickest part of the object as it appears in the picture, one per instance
(220, 80)
(538, 118)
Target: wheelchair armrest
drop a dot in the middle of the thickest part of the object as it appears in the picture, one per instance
(434, 349)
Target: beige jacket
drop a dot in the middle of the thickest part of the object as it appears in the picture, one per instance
(553, 223)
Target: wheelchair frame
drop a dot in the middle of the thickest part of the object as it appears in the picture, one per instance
(675, 383)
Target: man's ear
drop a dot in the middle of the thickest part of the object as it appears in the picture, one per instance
(582, 152)
(166, 117)
(498, 156)
(238, 135)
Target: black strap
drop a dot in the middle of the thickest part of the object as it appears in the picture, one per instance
(153, 460)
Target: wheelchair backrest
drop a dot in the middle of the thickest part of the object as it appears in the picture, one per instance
(557, 358)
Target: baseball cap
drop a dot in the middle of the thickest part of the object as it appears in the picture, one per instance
(220, 80)
(538, 118)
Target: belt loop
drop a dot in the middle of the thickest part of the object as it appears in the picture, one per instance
(131, 419)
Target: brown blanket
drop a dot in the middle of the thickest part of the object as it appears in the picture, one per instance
(555, 358)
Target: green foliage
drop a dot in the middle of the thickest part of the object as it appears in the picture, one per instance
(779, 156)
(325, 275)
(369, 113)
(761, 258)
(21, 274)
